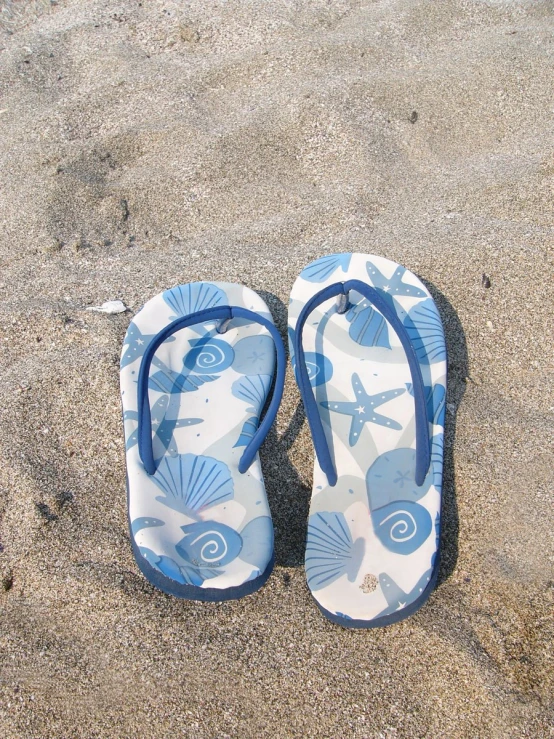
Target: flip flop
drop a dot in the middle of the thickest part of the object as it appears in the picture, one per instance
(196, 369)
(367, 345)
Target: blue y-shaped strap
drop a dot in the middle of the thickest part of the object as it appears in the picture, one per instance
(423, 447)
(224, 313)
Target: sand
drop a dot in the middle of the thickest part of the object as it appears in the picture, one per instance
(145, 144)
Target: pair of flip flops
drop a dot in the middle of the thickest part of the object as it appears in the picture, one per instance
(367, 346)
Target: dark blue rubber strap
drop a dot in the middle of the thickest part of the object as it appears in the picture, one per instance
(223, 313)
(423, 447)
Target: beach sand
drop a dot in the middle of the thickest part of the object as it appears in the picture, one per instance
(145, 144)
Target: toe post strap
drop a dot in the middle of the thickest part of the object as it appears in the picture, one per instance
(224, 314)
(340, 290)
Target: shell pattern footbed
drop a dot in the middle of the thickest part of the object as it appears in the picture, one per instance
(199, 527)
(372, 544)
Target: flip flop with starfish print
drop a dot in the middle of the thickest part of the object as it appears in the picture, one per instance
(367, 346)
(196, 369)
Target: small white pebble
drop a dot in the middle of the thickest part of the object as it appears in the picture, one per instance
(111, 306)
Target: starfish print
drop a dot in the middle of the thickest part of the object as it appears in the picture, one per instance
(163, 426)
(394, 286)
(396, 598)
(134, 341)
(357, 409)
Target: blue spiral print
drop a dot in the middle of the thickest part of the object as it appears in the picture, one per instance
(209, 356)
(320, 368)
(402, 526)
(209, 544)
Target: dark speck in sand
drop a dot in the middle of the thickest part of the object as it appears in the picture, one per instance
(63, 497)
(414, 116)
(486, 280)
(286, 579)
(44, 511)
(7, 583)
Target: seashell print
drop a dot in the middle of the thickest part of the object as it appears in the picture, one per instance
(248, 430)
(252, 389)
(320, 368)
(435, 400)
(209, 544)
(186, 299)
(402, 526)
(193, 483)
(424, 327)
(208, 355)
(168, 381)
(330, 551)
(257, 542)
(254, 355)
(392, 477)
(367, 325)
(324, 267)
